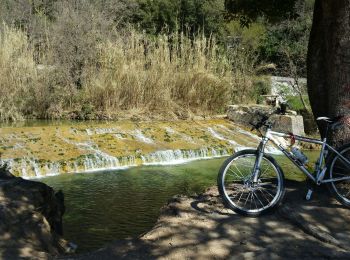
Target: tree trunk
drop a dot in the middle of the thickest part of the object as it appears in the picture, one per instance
(329, 66)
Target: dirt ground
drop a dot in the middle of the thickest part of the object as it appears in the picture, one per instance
(201, 228)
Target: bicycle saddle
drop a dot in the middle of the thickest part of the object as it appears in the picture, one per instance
(332, 122)
(326, 119)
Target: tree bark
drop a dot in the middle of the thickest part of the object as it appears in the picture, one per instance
(329, 66)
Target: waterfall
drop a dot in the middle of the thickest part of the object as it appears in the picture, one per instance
(37, 152)
(99, 161)
(185, 137)
(169, 157)
(220, 137)
(141, 137)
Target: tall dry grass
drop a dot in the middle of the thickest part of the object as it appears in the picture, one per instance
(17, 73)
(167, 72)
(128, 71)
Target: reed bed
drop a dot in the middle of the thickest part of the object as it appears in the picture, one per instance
(130, 71)
(17, 73)
(163, 73)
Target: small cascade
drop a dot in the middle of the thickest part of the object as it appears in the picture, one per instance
(37, 152)
(24, 169)
(169, 157)
(36, 168)
(52, 168)
(140, 136)
(270, 149)
(215, 134)
(101, 131)
(31, 168)
(100, 162)
(220, 137)
(185, 137)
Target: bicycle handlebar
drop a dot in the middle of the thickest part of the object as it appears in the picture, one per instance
(262, 122)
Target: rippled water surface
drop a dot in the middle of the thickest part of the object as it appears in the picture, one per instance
(102, 207)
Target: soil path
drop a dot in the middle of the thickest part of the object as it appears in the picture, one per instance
(201, 228)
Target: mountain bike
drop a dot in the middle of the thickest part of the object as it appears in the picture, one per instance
(251, 182)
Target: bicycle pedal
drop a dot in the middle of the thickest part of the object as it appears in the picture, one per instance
(309, 194)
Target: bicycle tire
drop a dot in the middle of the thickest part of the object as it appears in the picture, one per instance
(336, 168)
(239, 188)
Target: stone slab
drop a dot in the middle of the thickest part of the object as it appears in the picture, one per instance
(245, 114)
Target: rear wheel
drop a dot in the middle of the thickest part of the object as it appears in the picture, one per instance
(238, 191)
(338, 168)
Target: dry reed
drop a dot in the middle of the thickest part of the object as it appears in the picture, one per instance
(170, 71)
(17, 73)
(129, 71)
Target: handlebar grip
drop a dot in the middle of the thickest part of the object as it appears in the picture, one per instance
(253, 128)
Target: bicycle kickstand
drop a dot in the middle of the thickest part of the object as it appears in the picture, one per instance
(309, 194)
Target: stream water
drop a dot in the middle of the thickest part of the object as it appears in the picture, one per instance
(110, 205)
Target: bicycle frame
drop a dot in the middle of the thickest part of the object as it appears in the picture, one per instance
(320, 171)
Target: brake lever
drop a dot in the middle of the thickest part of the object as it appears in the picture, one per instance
(253, 128)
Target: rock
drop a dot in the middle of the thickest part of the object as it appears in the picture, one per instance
(31, 219)
(245, 114)
(5, 173)
(288, 123)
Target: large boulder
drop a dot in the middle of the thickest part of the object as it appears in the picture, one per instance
(31, 219)
(245, 114)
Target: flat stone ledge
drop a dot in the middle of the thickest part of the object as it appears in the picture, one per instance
(244, 114)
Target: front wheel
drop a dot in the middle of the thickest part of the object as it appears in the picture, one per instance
(240, 193)
(339, 170)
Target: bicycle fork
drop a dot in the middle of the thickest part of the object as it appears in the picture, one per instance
(259, 157)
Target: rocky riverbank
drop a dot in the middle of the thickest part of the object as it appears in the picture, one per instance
(201, 228)
(31, 219)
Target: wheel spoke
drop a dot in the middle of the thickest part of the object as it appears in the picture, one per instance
(236, 173)
(340, 169)
(253, 200)
(240, 197)
(342, 174)
(268, 192)
(242, 193)
(265, 170)
(239, 172)
(258, 199)
(264, 196)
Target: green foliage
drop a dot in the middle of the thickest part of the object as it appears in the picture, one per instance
(156, 16)
(250, 10)
(295, 103)
(248, 37)
(286, 42)
(262, 86)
